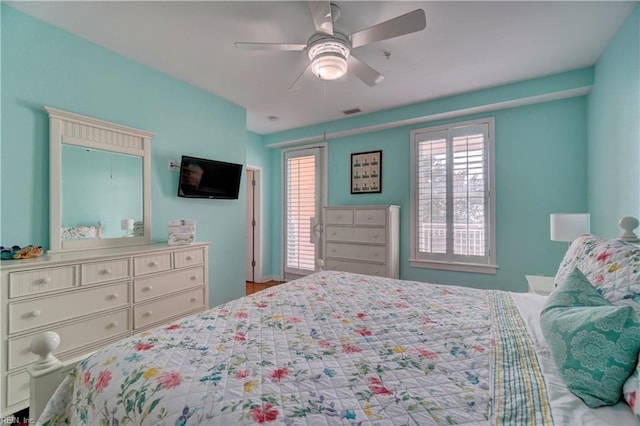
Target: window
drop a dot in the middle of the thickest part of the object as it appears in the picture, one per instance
(452, 202)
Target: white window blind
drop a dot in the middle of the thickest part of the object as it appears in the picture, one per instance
(301, 208)
(452, 218)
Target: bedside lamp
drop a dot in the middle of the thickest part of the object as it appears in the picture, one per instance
(566, 227)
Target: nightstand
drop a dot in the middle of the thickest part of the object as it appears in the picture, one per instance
(540, 284)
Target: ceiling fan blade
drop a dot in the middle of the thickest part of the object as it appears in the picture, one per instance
(270, 46)
(404, 24)
(295, 85)
(364, 72)
(321, 15)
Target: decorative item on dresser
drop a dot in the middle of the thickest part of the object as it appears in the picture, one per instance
(92, 298)
(362, 239)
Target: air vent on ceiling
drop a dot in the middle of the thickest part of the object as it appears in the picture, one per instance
(352, 111)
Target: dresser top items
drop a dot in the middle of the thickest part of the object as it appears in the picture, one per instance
(50, 259)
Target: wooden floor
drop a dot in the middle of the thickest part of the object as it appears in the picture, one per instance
(255, 287)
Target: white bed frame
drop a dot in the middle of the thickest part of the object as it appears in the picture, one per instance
(48, 372)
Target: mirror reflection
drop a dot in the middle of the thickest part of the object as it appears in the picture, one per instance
(102, 194)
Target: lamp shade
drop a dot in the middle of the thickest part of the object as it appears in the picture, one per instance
(329, 58)
(567, 226)
(126, 224)
(329, 66)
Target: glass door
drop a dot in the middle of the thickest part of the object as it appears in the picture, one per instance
(304, 197)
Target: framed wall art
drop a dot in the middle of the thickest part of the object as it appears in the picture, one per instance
(366, 172)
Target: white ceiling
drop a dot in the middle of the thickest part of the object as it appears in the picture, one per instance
(466, 46)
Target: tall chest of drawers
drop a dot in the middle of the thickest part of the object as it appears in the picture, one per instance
(362, 239)
(90, 299)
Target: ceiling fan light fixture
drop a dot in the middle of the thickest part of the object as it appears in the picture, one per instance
(329, 66)
(329, 58)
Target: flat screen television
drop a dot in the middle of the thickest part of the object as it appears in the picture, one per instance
(201, 178)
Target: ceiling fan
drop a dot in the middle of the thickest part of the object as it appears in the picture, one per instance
(330, 50)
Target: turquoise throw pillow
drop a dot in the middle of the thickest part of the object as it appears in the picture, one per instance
(594, 344)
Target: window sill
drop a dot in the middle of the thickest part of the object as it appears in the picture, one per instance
(454, 266)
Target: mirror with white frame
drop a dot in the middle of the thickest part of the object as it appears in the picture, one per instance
(100, 183)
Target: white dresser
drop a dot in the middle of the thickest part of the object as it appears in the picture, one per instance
(362, 239)
(92, 298)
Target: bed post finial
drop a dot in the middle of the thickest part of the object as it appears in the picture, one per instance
(43, 345)
(45, 372)
(629, 223)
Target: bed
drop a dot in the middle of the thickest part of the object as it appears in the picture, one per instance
(341, 348)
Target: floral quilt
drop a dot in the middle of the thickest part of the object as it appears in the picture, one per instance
(331, 348)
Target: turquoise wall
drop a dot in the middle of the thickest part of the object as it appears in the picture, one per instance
(43, 65)
(496, 96)
(540, 169)
(560, 156)
(613, 129)
(259, 155)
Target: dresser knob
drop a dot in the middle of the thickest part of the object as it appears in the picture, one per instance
(375, 254)
(35, 313)
(46, 280)
(152, 264)
(147, 288)
(112, 324)
(194, 299)
(375, 236)
(106, 271)
(333, 250)
(147, 314)
(112, 296)
(333, 234)
(339, 216)
(369, 217)
(189, 257)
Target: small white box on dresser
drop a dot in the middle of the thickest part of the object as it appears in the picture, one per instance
(540, 284)
(92, 298)
(362, 239)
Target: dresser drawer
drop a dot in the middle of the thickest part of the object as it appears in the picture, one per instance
(164, 309)
(339, 217)
(149, 264)
(72, 336)
(43, 311)
(356, 235)
(357, 252)
(149, 287)
(379, 270)
(41, 280)
(371, 217)
(17, 387)
(184, 258)
(99, 272)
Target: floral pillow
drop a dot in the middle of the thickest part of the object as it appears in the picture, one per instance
(631, 389)
(79, 232)
(612, 266)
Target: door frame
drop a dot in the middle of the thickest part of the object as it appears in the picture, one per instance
(323, 198)
(258, 237)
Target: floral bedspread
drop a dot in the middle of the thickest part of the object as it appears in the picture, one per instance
(331, 348)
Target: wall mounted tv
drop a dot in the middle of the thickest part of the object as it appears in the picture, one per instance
(201, 178)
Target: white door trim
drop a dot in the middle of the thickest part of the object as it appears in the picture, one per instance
(258, 238)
